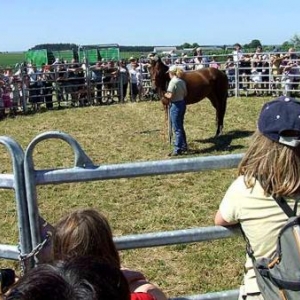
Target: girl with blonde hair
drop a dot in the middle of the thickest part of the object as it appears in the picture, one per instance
(269, 170)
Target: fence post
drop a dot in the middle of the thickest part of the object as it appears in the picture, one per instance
(18, 184)
(237, 80)
(24, 89)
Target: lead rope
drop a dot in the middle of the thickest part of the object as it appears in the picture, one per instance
(166, 125)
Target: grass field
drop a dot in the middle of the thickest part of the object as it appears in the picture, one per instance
(134, 132)
(11, 58)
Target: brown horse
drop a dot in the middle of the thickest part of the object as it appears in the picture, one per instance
(208, 83)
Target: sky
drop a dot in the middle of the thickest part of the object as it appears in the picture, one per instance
(147, 23)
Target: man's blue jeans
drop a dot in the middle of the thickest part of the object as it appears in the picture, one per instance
(177, 112)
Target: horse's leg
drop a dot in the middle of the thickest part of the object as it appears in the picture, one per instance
(214, 99)
(219, 102)
(221, 110)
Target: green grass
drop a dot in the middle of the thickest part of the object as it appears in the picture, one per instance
(134, 132)
(11, 58)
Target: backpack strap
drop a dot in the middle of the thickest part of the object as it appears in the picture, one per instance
(296, 206)
(249, 249)
(285, 207)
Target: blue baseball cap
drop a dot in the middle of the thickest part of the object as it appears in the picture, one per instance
(279, 121)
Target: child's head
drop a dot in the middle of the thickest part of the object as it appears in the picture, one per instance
(7, 89)
(85, 232)
(79, 278)
(108, 281)
(42, 283)
(279, 121)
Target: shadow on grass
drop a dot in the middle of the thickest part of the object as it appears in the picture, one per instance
(148, 131)
(221, 143)
(42, 110)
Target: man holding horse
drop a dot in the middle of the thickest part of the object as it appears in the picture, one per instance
(174, 97)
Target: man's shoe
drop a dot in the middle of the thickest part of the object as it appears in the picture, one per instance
(184, 150)
(175, 153)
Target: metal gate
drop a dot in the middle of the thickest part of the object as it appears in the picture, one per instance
(26, 178)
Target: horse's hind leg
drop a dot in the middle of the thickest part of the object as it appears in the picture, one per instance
(221, 110)
(219, 102)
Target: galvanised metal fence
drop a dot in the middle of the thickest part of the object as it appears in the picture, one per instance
(26, 178)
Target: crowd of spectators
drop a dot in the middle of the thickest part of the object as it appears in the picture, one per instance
(72, 84)
(276, 73)
(79, 83)
(273, 73)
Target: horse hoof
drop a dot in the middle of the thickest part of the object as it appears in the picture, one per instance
(219, 131)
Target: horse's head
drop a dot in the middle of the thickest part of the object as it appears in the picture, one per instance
(153, 56)
(153, 59)
(158, 74)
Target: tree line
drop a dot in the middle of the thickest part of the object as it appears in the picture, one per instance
(293, 42)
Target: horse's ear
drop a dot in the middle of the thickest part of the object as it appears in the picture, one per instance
(156, 57)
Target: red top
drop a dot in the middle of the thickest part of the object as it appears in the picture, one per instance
(141, 296)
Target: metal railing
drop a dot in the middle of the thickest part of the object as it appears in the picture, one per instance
(26, 178)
